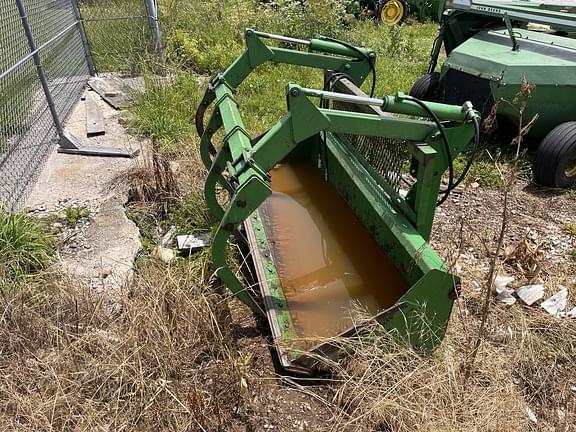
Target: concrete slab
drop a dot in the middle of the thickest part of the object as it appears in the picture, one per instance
(101, 249)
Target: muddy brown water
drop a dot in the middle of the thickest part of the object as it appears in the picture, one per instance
(331, 270)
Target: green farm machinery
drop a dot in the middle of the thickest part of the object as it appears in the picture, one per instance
(335, 202)
(492, 47)
(394, 12)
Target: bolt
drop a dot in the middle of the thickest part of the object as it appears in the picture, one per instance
(295, 92)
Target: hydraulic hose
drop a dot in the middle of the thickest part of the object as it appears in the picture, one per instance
(473, 152)
(444, 140)
(470, 114)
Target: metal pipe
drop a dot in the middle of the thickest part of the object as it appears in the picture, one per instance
(281, 38)
(153, 23)
(39, 68)
(120, 18)
(35, 51)
(343, 97)
(393, 104)
(82, 31)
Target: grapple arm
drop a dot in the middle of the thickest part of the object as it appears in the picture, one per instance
(355, 62)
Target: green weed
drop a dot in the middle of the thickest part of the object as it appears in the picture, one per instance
(74, 214)
(570, 229)
(483, 171)
(26, 246)
(191, 215)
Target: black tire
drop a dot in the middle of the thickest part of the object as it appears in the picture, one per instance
(426, 87)
(555, 161)
(380, 5)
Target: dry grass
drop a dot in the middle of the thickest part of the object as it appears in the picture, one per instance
(158, 358)
(526, 360)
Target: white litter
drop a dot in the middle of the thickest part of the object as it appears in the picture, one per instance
(570, 314)
(164, 254)
(556, 303)
(504, 294)
(531, 415)
(530, 294)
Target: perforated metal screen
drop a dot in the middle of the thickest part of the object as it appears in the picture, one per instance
(387, 157)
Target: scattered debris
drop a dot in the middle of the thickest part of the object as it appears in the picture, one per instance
(165, 254)
(556, 303)
(168, 237)
(192, 243)
(531, 415)
(570, 314)
(94, 117)
(504, 294)
(530, 294)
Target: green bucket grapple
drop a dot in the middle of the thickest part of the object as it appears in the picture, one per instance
(335, 155)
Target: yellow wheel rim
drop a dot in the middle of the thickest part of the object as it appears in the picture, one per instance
(392, 12)
(570, 170)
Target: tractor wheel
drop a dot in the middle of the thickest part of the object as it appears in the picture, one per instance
(555, 161)
(391, 12)
(426, 87)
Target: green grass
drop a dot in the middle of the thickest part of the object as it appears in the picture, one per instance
(166, 111)
(74, 214)
(207, 36)
(120, 44)
(26, 246)
(191, 215)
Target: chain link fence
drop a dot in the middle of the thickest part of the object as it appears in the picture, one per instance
(48, 50)
(119, 33)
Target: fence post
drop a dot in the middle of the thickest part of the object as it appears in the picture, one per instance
(39, 67)
(154, 26)
(82, 31)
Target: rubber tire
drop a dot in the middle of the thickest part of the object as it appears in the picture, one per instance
(554, 154)
(378, 11)
(426, 87)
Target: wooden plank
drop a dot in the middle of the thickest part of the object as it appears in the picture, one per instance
(94, 117)
(111, 90)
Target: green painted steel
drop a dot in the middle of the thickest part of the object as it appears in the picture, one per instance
(428, 9)
(542, 59)
(400, 223)
(480, 45)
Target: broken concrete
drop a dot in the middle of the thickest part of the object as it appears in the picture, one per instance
(110, 241)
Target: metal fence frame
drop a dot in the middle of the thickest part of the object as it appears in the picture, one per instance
(44, 67)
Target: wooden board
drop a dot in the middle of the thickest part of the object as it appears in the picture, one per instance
(94, 117)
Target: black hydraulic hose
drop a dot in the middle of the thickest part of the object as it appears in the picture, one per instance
(352, 47)
(446, 145)
(199, 119)
(473, 152)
